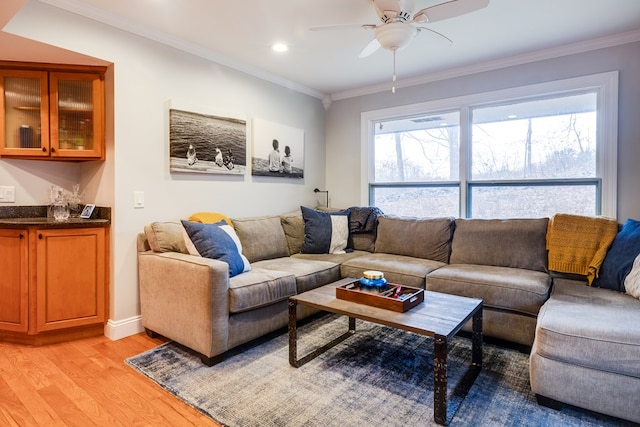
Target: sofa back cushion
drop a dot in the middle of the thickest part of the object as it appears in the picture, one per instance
(363, 241)
(293, 226)
(426, 238)
(517, 243)
(165, 237)
(261, 237)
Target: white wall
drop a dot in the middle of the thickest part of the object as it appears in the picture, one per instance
(145, 76)
(343, 119)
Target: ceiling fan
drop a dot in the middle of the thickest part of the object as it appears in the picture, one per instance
(400, 24)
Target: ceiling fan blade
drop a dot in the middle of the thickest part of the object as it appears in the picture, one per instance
(391, 5)
(369, 49)
(342, 27)
(449, 9)
(436, 33)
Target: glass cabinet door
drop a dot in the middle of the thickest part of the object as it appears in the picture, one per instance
(24, 108)
(76, 114)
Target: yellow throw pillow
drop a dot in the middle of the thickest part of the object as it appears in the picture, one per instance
(209, 218)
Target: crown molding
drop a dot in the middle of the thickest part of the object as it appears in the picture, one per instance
(539, 55)
(110, 19)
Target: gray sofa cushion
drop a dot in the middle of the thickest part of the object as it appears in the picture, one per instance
(405, 270)
(427, 238)
(517, 243)
(335, 258)
(363, 241)
(261, 237)
(165, 237)
(259, 288)
(519, 290)
(309, 274)
(590, 327)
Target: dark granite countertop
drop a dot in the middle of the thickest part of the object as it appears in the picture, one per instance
(24, 216)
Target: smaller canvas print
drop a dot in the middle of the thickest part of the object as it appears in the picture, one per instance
(278, 150)
(204, 143)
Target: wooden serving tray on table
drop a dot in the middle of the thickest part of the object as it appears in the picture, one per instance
(394, 297)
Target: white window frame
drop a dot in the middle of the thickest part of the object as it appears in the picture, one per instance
(604, 84)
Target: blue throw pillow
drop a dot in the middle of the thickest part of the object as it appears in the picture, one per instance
(619, 259)
(324, 232)
(218, 241)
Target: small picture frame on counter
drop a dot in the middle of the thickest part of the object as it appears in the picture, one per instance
(87, 211)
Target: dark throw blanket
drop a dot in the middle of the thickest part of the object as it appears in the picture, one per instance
(363, 219)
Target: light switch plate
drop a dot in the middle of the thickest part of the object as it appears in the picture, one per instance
(138, 199)
(7, 194)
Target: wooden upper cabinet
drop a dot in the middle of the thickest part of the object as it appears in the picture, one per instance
(24, 113)
(77, 102)
(52, 114)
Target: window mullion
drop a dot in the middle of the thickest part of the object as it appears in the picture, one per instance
(465, 158)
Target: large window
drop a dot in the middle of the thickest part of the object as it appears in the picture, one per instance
(526, 152)
(416, 165)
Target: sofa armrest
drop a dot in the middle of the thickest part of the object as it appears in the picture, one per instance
(186, 299)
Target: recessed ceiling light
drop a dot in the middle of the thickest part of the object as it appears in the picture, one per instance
(512, 116)
(280, 47)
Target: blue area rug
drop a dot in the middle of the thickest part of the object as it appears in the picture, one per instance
(378, 377)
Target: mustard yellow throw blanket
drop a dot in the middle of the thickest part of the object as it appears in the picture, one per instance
(578, 244)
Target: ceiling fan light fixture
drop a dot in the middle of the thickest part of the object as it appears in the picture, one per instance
(395, 35)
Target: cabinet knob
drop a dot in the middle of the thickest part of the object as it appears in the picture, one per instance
(53, 150)
(44, 149)
(40, 236)
(21, 235)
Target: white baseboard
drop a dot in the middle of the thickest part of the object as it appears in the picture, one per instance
(117, 329)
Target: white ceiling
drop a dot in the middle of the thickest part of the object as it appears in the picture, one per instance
(240, 33)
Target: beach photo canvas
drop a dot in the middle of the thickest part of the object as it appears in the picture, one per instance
(278, 150)
(206, 143)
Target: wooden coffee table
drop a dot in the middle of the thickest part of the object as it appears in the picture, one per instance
(440, 316)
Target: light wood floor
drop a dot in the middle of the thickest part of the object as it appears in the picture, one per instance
(85, 383)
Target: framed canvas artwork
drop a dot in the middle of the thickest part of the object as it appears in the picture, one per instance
(206, 143)
(278, 150)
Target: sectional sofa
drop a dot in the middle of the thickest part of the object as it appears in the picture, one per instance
(582, 346)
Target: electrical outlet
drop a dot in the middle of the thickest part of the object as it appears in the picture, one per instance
(7, 194)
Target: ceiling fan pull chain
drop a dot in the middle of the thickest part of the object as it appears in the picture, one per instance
(393, 88)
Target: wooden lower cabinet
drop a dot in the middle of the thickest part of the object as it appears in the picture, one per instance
(70, 278)
(14, 283)
(57, 284)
